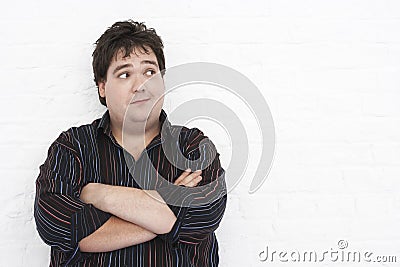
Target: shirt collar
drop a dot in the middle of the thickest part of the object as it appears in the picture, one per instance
(104, 123)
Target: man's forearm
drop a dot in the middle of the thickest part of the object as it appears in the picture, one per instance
(144, 208)
(115, 234)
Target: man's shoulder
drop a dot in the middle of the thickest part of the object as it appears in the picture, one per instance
(186, 133)
(191, 138)
(79, 134)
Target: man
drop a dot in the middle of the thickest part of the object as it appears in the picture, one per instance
(108, 194)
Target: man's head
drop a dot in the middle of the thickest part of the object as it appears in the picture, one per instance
(124, 37)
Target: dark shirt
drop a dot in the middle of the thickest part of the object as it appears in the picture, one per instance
(90, 153)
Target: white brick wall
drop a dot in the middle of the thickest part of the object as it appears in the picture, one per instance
(329, 71)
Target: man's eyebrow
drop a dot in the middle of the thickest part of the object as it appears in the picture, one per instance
(152, 62)
(129, 65)
(122, 67)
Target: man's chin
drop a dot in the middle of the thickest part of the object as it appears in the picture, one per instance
(134, 119)
(133, 116)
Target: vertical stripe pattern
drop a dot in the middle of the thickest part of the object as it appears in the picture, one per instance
(89, 153)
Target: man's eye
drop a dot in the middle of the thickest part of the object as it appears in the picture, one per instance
(150, 72)
(123, 76)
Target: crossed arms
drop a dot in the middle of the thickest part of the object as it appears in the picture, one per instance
(139, 215)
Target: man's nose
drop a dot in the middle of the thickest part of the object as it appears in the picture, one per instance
(138, 83)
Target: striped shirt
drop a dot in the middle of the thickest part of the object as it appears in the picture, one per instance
(90, 153)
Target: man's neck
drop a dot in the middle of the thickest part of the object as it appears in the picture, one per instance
(135, 138)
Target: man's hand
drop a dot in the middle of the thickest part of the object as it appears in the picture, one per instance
(189, 178)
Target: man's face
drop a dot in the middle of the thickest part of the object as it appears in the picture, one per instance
(124, 88)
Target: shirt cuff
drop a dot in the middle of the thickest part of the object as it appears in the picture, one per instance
(84, 223)
(178, 202)
(172, 237)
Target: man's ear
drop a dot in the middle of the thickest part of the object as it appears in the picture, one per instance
(102, 88)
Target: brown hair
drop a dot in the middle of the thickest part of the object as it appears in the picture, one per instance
(124, 36)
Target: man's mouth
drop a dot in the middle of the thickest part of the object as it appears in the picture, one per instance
(138, 101)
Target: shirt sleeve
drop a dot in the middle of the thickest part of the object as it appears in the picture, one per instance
(204, 205)
(62, 219)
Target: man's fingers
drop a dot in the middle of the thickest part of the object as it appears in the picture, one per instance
(186, 177)
(184, 174)
(194, 182)
(190, 177)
